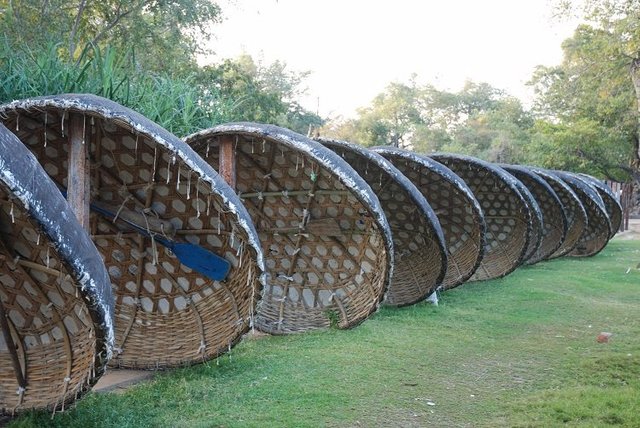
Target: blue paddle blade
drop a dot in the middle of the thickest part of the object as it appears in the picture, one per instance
(199, 259)
(192, 256)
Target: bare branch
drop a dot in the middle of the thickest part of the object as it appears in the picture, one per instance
(120, 15)
(74, 29)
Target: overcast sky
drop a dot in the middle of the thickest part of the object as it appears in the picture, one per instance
(354, 48)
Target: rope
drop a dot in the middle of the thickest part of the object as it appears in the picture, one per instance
(115, 217)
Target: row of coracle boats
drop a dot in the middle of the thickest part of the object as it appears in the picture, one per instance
(124, 245)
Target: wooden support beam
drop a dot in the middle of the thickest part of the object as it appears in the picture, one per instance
(227, 163)
(78, 178)
(5, 328)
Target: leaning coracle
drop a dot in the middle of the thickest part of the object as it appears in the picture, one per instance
(554, 219)
(327, 243)
(56, 331)
(596, 235)
(614, 209)
(506, 213)
(420, 252)
(180, 248)
(574, 211)
(457, 209)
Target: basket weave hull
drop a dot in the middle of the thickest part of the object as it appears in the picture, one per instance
(554, 220)
(596, 235)
(536, 222)
(327, 245)
(457, 209)
(614, 210)
(574, 212)
(166, 314)
(420, 253)
(506, 212)
(56, 333)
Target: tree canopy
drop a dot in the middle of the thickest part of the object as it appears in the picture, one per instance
(585, 116)
(142, 53)
(588, 105)
(478, 120)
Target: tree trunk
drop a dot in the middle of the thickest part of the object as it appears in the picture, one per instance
(635, 78)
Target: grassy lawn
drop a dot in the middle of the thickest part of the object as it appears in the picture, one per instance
(520, 351)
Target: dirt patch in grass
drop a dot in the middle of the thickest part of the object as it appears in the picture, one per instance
(119, 380)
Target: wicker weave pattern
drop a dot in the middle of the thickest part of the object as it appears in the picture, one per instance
(319, 275)
(459, 214)
(614, 210)
(575, 214)
(596, 235)
(48, 320)
(166, 314)
(536, 224)
(418, 242)
(55, 301)
(505, 211)
(554, 219)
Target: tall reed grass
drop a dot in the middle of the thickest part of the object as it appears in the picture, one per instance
(181, 104)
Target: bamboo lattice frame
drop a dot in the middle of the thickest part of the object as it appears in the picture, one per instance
(574, 211)
(554, 219)
(596, 235)
(614, 209)
(535, 239)
(420, 252)
(327, 244)
(457, 209)
(505, 211)
(166, 314)
(55, 298)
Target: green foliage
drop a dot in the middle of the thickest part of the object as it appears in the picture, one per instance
(582, 145)
(479, 120)
(179, 104)
(518, 351)
(499, 132)
(594, 92)
(261, 93)
(142, 55)
(334, 318)
(588, 104)
(166, 33)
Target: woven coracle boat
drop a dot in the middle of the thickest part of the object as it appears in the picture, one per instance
(56, 331)
(327, 243)
(535, 237)
(596, 235)
(574, 212)
(420, 252)
(457, 209)
(505, 211)
(554, 219)
(183, 256)
(611, 203)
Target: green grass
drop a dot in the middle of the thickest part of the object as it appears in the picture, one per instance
(520, 351)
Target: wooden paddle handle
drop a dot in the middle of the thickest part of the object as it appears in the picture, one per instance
(140, 220)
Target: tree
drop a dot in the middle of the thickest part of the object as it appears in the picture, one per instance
(598, 85)
(499, 132)
(141, 53)
(479, 120)
(164, 33)
(393, 117)
(261, 93)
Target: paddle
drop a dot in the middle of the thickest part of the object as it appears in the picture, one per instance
(193, 256)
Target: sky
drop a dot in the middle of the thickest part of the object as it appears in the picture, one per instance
(355, 48)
